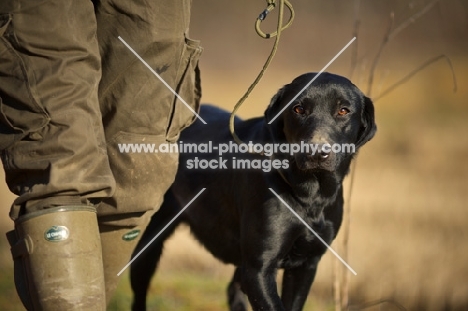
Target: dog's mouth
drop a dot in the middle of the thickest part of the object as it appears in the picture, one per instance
(322, 162)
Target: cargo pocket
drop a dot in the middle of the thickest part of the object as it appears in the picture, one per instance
(20, 112)
(189, 88)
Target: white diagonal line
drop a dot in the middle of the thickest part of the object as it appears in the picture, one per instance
(315, 233)
(160, 78)
(159, 233)
(316, 76)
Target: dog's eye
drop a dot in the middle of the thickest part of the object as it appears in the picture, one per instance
(343, 111)
(299, 109)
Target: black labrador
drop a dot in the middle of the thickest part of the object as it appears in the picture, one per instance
(238, 218)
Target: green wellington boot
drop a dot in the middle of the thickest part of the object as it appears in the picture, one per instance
(117, 247)
(58, 260)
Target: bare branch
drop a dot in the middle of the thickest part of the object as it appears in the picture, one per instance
(356, 26)
(346, 234)
(341, 278)
(415, 71)
(385, 40)
(412, 19)
(390, 35)
(376, 303)
(337, 271)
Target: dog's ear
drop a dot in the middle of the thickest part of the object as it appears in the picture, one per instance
(368, 127)
(276, 127)
(274, 106)
(285, 93)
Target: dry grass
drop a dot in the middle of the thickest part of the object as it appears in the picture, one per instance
(409, 227)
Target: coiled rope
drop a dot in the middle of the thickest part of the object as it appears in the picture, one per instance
(271, 4)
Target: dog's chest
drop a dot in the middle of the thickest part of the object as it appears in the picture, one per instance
(307, 247)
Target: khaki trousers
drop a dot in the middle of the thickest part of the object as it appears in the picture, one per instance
(70, 92)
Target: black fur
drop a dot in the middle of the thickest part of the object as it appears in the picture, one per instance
(240, 221)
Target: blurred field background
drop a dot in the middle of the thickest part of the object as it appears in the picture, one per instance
(409, 219)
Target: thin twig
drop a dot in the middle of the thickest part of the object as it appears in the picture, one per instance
(356, 26)
(379, 54)
(375, 303)
(390, 35)
(382, 79)
(346, 233)
(337, 270)
(341, 292)
(415, 71)
(412, 19)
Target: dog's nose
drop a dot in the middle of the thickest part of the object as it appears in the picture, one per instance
(320, 155)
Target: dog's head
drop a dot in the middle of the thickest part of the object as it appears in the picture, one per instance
(331, 115)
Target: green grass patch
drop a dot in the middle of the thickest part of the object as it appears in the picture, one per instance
(9, 300)
(180, 291)
(187, 291)
(176, 291)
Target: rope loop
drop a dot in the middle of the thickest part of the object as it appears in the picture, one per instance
(277, 33)
(270, 7)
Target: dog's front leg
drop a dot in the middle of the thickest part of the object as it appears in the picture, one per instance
(296, 285)
(260, 286)
(266, 238)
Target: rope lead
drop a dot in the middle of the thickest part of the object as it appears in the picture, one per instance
(277, 33)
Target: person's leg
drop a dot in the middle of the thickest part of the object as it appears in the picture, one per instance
(51, 135)
(138, 108)
(53, 150)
